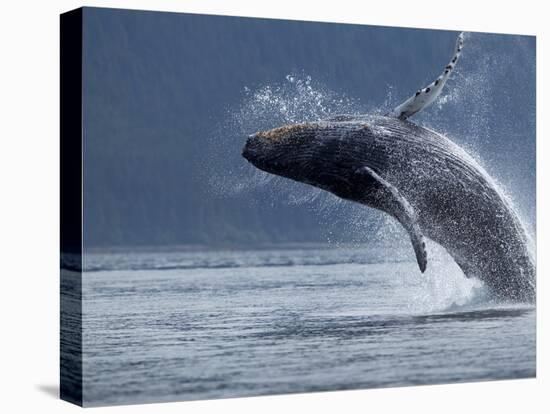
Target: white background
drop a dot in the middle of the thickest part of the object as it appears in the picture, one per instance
(29, 206)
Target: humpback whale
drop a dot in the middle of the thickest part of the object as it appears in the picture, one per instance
(429, 184)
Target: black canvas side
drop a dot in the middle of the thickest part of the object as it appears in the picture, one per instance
(71, 206)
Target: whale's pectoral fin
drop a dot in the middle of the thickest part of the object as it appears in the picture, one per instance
(425, 96)
(390, 200)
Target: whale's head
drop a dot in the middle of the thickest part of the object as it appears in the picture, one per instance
(280, 151)
(322, 154)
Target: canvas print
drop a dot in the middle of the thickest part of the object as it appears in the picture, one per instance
(256, 206)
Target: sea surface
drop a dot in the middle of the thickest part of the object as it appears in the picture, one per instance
(186, 325)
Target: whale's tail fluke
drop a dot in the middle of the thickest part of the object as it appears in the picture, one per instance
(425, 96)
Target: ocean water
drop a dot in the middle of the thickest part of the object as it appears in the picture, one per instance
(187, 325)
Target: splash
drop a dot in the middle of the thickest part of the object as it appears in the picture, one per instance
(295, 99)
(444, 287)
(298, 98)
(467, 113)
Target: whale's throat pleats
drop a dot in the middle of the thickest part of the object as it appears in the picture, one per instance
(384, 196)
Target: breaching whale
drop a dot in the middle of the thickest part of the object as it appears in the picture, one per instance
(433, 187)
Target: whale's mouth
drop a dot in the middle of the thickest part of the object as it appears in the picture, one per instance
(259, 152)
(253, 148)
(263, 145)
(256, 154)
(280, 150)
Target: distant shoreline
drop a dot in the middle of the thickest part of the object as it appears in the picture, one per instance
(226, 247)
(239, 247)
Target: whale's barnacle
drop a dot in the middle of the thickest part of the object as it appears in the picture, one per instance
(279, 133)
